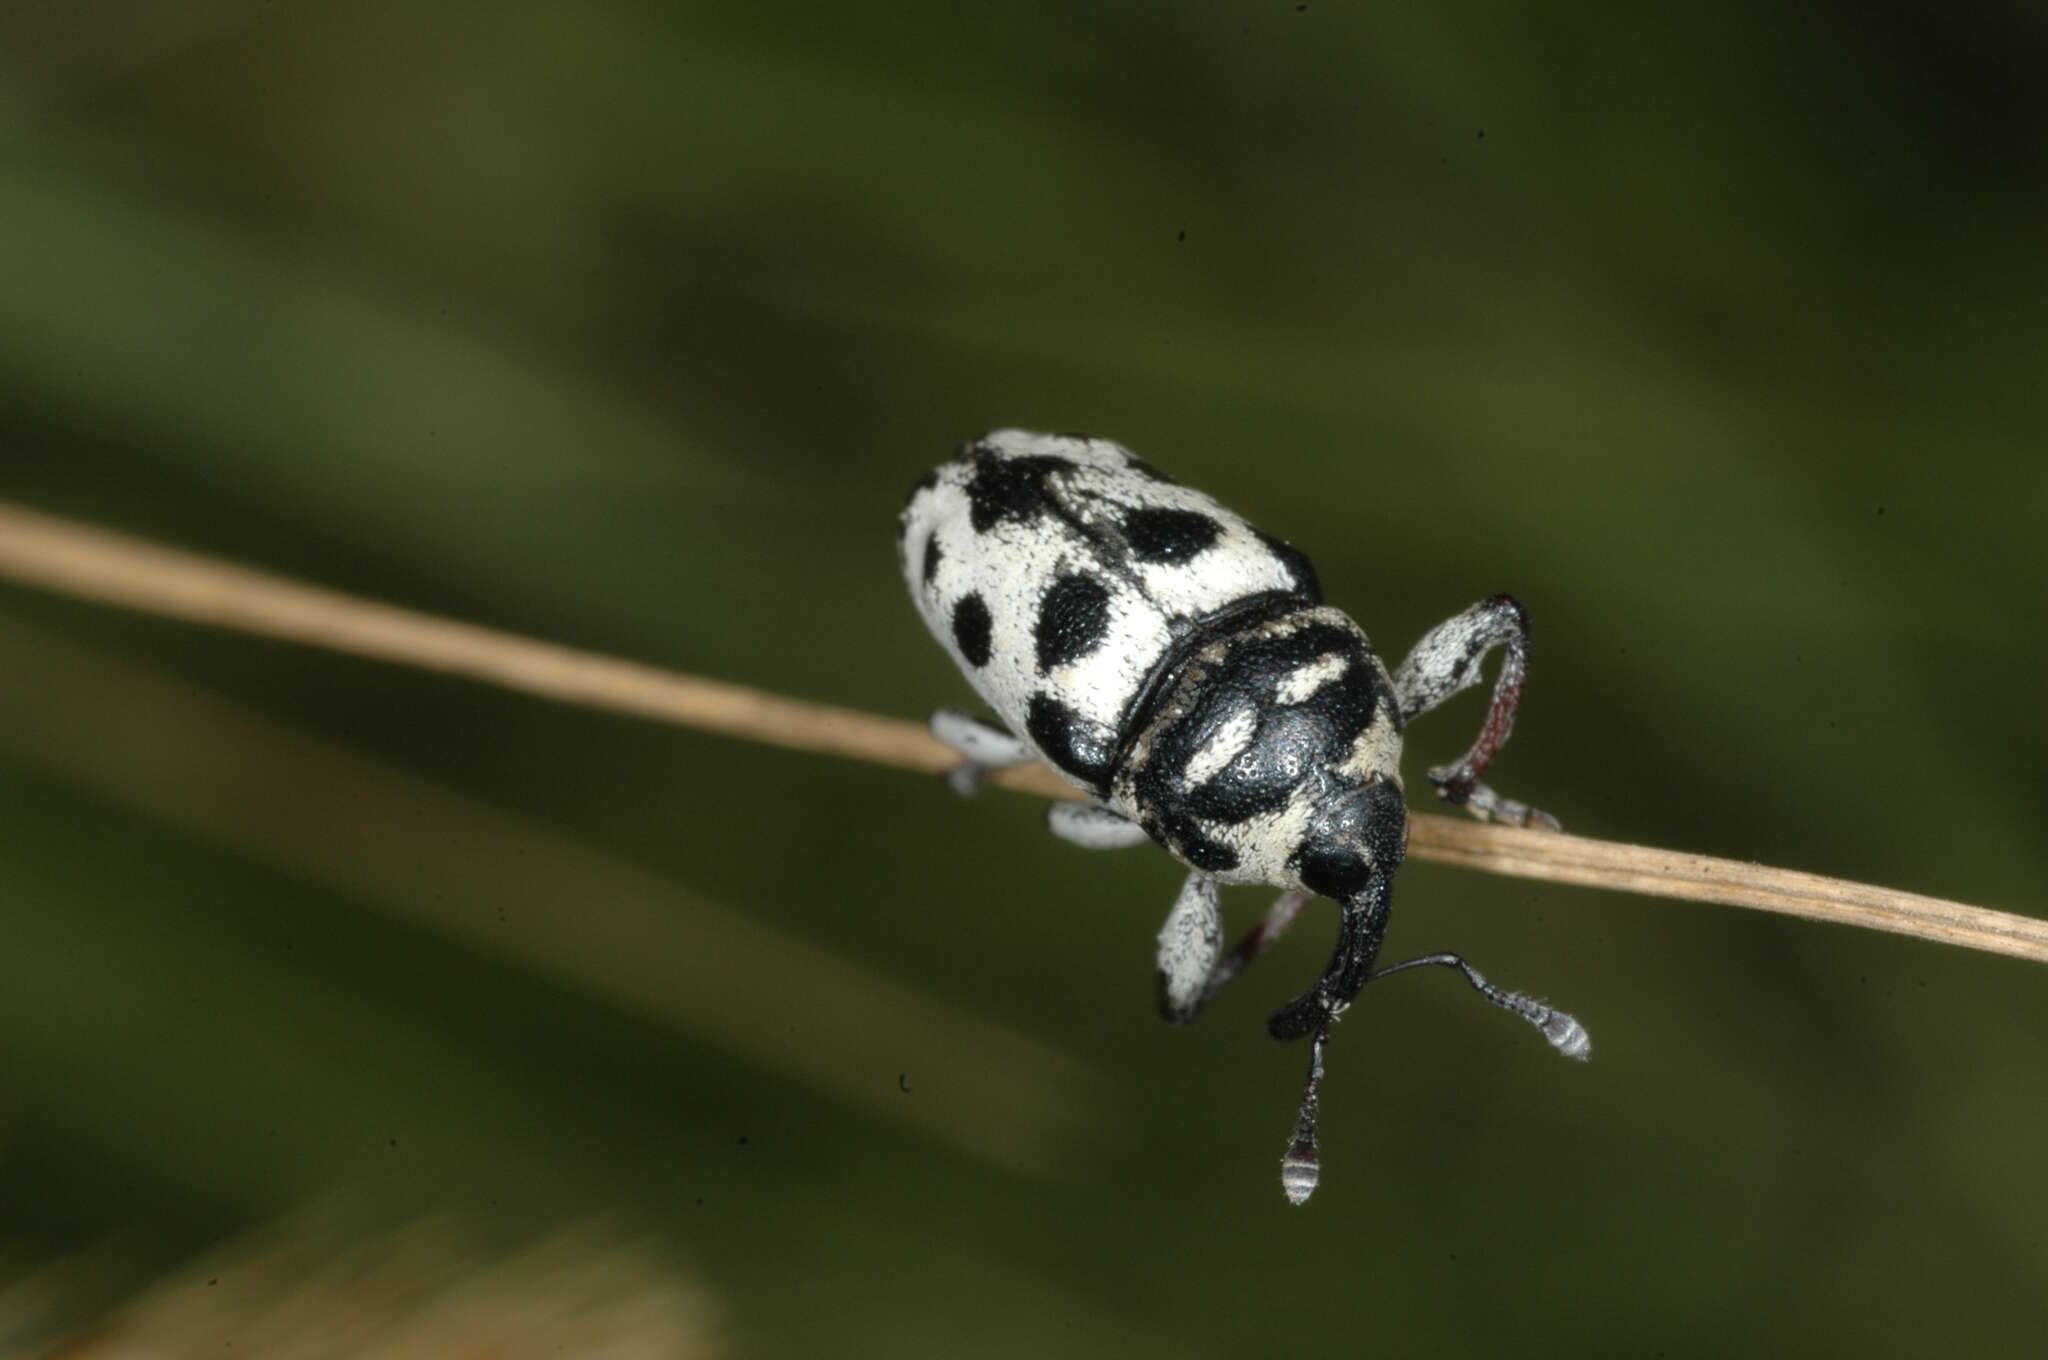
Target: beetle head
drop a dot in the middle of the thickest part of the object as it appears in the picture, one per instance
(1357, 840)
(1351, 853)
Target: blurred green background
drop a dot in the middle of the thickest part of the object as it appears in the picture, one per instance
(1715, 334)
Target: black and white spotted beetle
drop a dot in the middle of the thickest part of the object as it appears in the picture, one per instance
(1180, 668)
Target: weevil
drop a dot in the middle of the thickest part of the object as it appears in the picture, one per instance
(1179, 668)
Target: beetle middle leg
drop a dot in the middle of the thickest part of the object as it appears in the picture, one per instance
(1447, 661)
(982, 746)
(1093, 826)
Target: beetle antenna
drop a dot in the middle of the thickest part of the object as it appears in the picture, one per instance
(1301, 1167)
(1565, 1034)
(1361, 926)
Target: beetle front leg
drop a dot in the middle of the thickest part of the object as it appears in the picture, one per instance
(1261, 937)
(1446, 661)
(1188, 945)
(1190, 972)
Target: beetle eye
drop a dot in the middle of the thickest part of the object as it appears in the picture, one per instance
(1360, 833)
(1333, 868)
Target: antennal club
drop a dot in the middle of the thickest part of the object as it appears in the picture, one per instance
(1302, 1167)
(1564, 1033)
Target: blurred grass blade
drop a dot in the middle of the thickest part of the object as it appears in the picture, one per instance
(518, 888)
(306, 1289)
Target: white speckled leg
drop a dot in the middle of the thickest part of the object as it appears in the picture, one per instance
(1445, 662)
(1275, 923)
(1092, 826)
(1178, 1003)
(1188, 945)
(1488, 806)
(982, 747)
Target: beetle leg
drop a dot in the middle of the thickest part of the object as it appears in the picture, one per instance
(1093, 826)
(1255, 942)
(1446, 661)
(1565, 1034)
(981, 746)
(1188, 945)
(1182, 1001)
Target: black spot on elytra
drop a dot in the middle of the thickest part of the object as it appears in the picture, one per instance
(1073, 618)
(1147, 471)
(1299, 569)
(1010, 489)
(1081, 748)
(932, 555)
(971, 626)
(1161, 535)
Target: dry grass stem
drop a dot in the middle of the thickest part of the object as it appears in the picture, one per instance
(95, 564)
